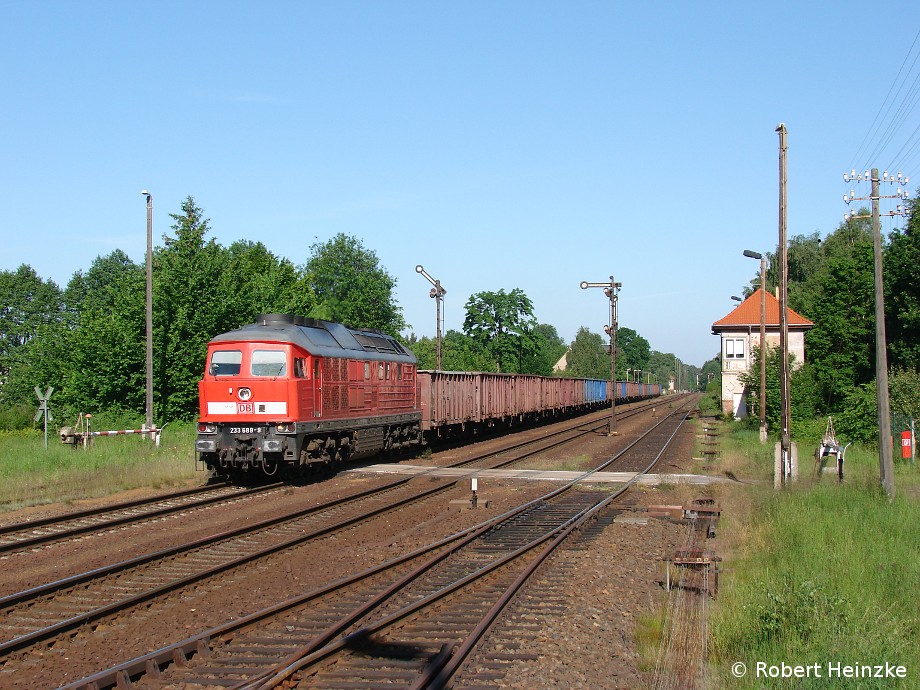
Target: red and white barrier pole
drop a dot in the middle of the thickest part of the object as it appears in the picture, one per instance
(156, 433)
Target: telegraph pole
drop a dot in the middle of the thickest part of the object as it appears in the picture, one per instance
(885, 459)
(786, 423)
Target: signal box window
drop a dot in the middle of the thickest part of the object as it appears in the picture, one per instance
(225, 363)
(268, 362)
(734, 348)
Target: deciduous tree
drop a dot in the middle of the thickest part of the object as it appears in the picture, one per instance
(190, 307)
(27, 305)
(902, 292)
(352, 287)
(502, 323)
(633, 351)
(588, 357)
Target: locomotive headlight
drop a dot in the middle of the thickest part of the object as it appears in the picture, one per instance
(207, 428)
(286, 428)
(244, 394)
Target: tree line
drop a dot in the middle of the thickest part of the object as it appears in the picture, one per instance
(831, 283)
(88, 340)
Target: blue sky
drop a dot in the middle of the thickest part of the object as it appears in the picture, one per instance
(525, 145)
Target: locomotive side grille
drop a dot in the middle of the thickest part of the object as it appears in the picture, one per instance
(335, 370)
(335, 385)
(329, 398)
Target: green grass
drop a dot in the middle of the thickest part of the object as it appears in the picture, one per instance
(31, 474)
(820, 572)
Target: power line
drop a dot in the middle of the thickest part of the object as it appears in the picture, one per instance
(910, 153)
(901, 113)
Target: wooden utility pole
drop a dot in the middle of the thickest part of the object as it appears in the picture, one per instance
(885, 459)
(885, 451)
(786, 423)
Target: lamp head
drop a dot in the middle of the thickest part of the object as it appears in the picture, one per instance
(419, 269)
(584, 285)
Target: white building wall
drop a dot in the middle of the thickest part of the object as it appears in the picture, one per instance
(733, 392)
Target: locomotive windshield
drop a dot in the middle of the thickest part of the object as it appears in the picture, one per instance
(225, 363)
(269, 362)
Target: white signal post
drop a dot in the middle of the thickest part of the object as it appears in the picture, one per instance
(437, 294)
(612, 290)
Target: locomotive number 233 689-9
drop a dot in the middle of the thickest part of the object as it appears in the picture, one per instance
(247, 429)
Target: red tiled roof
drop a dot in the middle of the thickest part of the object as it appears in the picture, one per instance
(748, 314)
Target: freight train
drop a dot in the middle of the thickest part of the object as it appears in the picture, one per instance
(287, 394)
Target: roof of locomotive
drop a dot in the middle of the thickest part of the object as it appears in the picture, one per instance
(322, 338)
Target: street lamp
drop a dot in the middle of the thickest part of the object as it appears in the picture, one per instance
(736, 298)
(763, 343)
(612, 290)
(149, 401)
(437, 294)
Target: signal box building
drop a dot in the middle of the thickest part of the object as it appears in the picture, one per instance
(740, 334)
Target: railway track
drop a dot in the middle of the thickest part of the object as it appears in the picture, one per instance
(416, 618)
(43, 613)
(32, 534)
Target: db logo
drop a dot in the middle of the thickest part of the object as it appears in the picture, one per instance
(243, 408)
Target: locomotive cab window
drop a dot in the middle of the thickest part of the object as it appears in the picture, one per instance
(225, 363)
(300, 367)
(268, 362)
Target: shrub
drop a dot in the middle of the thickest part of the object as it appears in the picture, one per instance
(16, 417)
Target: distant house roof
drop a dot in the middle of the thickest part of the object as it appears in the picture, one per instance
(748, 314)
(563, 362)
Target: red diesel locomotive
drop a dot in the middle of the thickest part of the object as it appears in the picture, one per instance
(292, 392)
